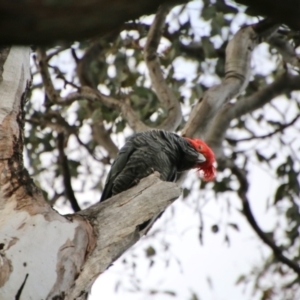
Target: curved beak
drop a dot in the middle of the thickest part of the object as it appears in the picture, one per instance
(201, 158)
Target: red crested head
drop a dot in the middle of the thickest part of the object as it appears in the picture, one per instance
(207, 167)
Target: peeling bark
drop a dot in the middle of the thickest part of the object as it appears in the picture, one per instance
(44, 255)
(116, 224)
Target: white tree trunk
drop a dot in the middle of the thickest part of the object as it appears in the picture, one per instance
(44, 255)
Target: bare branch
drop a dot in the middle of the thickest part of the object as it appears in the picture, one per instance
(237, 72)
(116, 223)
(102, 137)
(90, 61)
(218, 128)
(57, 51)
(284, 83)
(42, 58)
(285, 48)
(242, 192)
(281, 128)
(69, 192)
(89, 94)
(163, 91)
(100, 133)
(123, 106)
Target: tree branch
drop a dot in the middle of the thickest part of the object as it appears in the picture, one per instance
(89, 94)
(218, 128)
(264, 136)
(237, 72)
(103, 138)
(285, 48)
(242, 192)
(77, 247)
(69, 193)
(116, 223)
(42, 59)
(164, 93)
(123, 106)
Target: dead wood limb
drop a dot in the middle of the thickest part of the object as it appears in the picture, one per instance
(116, 223)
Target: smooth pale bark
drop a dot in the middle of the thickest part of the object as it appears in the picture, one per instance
(44, 255)
(237, 73)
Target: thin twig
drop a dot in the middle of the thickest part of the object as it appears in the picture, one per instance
(285, 48)
(242, 192)
(123, 106)
(216, 134)
(57, 51)
(60, 75)
(42, 65)
(69, 193)
(280, 129)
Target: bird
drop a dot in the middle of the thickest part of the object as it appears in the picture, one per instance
(161, 151)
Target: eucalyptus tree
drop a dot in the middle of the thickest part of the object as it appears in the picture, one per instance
(87, 96)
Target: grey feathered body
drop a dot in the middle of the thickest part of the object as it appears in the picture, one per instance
(146, 152)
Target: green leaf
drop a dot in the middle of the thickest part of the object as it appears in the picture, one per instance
(170, 293)
(185, 192)
(215, 228)
(194, 297)
(208, 47)
(150, 251)
(280, 193)
(225, 8)
(234, 226)
(73, 165)
(208, 12)
(241, 279)
(260, 157)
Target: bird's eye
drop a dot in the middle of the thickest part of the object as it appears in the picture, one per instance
(199, 147)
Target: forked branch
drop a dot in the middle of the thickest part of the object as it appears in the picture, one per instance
(217, 130)
(89, 94)
(237, 73)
